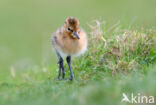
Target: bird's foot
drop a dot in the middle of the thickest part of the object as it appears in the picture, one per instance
(61, 79)
(64, 79)
(71, 78)
(58, 78)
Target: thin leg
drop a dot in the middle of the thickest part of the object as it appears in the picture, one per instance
(69, 64)
(63, 73)
(61, 66)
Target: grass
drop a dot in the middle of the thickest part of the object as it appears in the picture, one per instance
(118, 61)
(121, 56)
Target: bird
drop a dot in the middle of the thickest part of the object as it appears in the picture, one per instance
(69, 40)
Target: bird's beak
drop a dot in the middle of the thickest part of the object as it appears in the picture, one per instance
(76, 35)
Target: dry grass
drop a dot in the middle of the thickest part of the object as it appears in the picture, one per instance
(122, 51)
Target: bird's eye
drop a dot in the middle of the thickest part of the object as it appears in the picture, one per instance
(69, 29)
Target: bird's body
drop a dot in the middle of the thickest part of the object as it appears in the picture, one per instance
(69, 40)
(67, 45)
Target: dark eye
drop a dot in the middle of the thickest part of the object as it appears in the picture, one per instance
(69, 29)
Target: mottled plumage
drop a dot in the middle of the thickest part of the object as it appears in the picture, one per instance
(69, 40)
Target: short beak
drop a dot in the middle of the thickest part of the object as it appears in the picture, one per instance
(76, 35)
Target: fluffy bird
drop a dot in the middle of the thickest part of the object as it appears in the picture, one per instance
(69, 40)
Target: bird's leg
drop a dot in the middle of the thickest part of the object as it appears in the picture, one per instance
(69, 64)
(63, 73)
(60, 66)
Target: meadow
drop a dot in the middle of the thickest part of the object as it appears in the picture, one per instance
(121, 55)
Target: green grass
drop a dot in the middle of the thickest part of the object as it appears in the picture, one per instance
(124, 63)
(107, 90)
(121, 56)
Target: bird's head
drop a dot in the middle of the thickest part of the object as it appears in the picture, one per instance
(72, 26)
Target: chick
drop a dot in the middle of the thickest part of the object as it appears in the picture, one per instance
(69, 40)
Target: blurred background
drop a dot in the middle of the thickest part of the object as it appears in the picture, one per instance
(26, 26)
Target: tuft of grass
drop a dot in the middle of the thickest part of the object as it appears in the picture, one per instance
(122, 51)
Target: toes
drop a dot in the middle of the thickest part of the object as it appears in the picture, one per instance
(58, 78)
(71, 78)
(63, 79)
